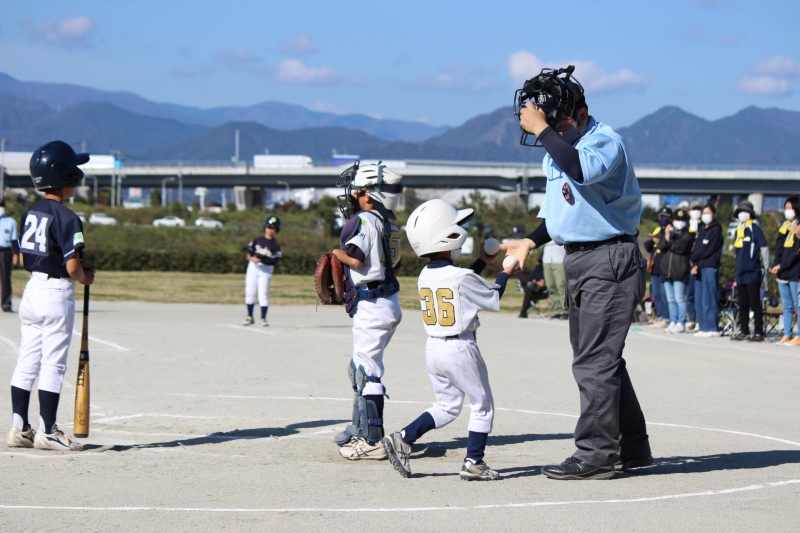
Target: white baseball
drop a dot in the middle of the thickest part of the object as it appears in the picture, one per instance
(491, 246)
(510, 260)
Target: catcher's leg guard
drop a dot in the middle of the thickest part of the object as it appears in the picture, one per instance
(371, 421)
(352, 430)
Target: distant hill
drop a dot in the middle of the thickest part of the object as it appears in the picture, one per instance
(105, 127)
(276, 115)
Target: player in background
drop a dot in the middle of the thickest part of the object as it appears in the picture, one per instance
(370, 253)
(52, 246)
(263, 254)
(451, 298)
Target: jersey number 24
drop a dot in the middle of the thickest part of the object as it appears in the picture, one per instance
(36, 229)
(439, 309)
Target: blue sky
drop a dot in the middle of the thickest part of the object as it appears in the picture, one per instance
(434, 61)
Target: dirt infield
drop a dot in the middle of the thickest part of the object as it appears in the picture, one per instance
(201, 424)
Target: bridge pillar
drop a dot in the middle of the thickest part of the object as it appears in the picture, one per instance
(757, 199)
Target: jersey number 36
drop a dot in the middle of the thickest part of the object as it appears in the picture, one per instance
(36, 229)
(440, 309)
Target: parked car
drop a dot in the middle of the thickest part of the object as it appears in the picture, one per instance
(169, 222)
(101, 219)
(205, 222)
(82, 217)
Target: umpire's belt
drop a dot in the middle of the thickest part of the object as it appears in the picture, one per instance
(573, 247)
(379, 289)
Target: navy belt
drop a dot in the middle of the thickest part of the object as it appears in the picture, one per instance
(379, 289)
(573, 247)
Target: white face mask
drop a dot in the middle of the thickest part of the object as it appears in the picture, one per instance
(2, 211)
(744, 216)
(679, 224)
(455, 254)
(789, 214)
(707, 218)
(695, 215)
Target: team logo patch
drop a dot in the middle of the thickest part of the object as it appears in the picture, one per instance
(566, 192)
(77, 238)
(541, 99)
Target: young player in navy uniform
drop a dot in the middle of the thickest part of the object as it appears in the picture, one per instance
(263, 254)
(370, 253)
(52, 245)
(451, 298)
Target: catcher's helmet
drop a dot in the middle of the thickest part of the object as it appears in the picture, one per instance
(383, 185)
(555, 92)
(437, 226)
(273, 221)
(55, 165)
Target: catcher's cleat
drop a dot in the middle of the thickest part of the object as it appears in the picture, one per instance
(478, 472)
(21, 439)
(360, 448)
(248, 321)
(263, 322)
(56, 440)
(399, 453)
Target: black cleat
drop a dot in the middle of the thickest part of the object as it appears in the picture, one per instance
(756, 338)
(573, 468)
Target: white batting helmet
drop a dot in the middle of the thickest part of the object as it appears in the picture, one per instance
(382, 184)
(437, 226)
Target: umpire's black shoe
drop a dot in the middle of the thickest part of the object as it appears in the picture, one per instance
(756, 338)
(629, 463)
(739, 337)
(573, 468)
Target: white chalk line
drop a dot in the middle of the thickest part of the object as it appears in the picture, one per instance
(402, 509)
(786, 350)
(95, 339)
(253, 330)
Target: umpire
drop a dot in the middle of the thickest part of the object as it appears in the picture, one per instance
(9, 247)
(592, 207)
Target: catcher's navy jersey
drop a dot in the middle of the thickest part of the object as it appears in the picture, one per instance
(50, 235)
(267, 250)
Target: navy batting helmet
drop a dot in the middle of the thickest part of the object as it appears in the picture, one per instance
(55, 165)
(273, 221)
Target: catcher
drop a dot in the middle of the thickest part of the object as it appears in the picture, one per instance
(370, 255)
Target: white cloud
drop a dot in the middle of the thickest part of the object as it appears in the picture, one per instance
(524, 65)
(67, 32)
(240, 59)
(300, 44)
(770, 77)
(463, 76)
(326, 107)
(295, 71)
(780, 66)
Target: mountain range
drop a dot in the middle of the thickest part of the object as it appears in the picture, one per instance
(31, 112)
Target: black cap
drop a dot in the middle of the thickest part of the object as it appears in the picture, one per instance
(682, 214)
(665, 212)
(746, 207)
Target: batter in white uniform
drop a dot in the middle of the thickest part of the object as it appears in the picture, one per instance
(370, 253)
(451, 298)
(263, 254)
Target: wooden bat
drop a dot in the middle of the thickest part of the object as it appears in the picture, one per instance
(81, 424)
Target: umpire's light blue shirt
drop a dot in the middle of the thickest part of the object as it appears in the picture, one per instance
(608, 202)
(8, 231)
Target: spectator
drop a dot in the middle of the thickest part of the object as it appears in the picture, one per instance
(656, 281)
(705, 269)
(787, 269)
(676, 247)
(553, 259)
(9, 248)
(751, 247)
(695, 214)
(534, 287)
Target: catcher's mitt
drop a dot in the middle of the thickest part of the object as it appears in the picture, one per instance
(329, 280)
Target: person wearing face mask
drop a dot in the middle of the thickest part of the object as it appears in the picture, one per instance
(786, 268)
(656, 281)
(695, 212)
(9, 248)
(751, 251)
(676, 247)
(705, 268)
(592, 207)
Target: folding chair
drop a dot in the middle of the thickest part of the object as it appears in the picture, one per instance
(729, 310)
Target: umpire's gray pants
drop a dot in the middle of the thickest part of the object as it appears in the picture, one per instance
(603, 287)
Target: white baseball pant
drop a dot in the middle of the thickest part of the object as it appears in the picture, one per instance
(374, 325)
(257, 278)
(456, 369)
(47, 315)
